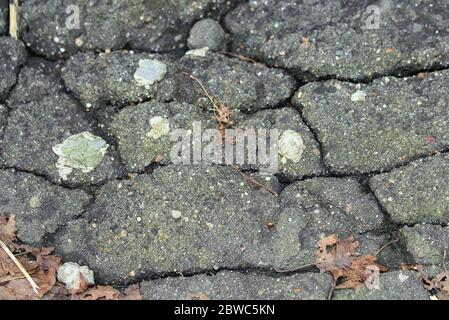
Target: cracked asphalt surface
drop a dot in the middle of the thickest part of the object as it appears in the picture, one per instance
(371, 107)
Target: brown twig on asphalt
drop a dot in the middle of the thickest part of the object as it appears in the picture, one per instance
(444, 260)
(239, 56)
(222, 113)
(252, 180)
(296, 269)
(386, 245)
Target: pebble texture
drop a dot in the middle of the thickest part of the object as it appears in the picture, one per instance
(398, 120)
(40, 207)
(228, 285)
(317, 39)
(206, 33)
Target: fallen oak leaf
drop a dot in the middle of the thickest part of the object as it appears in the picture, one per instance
(339, 257)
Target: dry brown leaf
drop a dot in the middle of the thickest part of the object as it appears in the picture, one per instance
(131, 293)
(339, 257)
(44, 275)
(98, 293)
(109, 293)
(438, 284)
(7, 228)
(36, 261)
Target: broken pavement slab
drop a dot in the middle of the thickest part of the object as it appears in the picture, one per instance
(312, 209)
(229, 285)
(144, 132)
(136, 231)
(110, 78)
(323, 39)
(12, 56)
(53, 30)
(244, 86)
(393, 285)
(427, 245)
(194, 218)
(299, 153)
(37, 79)
(417, 192)
(398, 120)
(34, 129)
(40, 207)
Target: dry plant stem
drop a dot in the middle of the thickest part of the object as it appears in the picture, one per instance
(444, 260)
(296, 269)
(216, 107)
(14, 19)
(204, 89)
(241, 57)
(386, 245)
(252, 180)
(10, 278)
(331, 290)
(19, 265)
(184, 283)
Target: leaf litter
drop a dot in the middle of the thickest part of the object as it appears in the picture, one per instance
(29, 273)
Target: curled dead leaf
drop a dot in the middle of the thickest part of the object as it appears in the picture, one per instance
(340, 258)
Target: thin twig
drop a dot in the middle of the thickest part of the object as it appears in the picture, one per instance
(11, 277)
(252, 180)
(386, 245)
(444, 260)
(331, 290)
(14, 19)
(184, 283)
(216, 107)
(237, 55)
(296, 269)
(203, 88)
(19, 265)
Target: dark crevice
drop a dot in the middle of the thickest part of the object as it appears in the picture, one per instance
(400, 74)
(391, 168)
(266, 271)
(315, 136)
